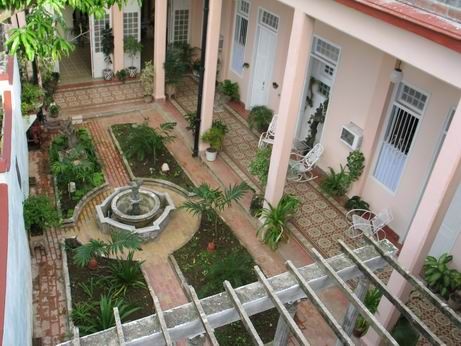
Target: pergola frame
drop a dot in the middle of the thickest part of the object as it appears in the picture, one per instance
(201, 316)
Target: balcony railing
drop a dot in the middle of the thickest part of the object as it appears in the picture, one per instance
(450, 9)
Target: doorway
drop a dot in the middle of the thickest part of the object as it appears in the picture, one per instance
(320, 79)
(263, 62)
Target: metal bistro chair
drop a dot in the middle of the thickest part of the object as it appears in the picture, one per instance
(300, 166)
(364, 221)
(267, 138)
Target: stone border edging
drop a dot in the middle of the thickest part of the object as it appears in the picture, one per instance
(78, 208)
(65, 270)
(161, 182)
(180, 276)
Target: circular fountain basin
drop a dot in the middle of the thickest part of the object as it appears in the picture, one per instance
(149, 208)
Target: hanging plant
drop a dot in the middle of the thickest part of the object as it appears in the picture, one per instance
(316, 118)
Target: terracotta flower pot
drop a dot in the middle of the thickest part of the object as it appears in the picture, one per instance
(211, 246)
(92, 264)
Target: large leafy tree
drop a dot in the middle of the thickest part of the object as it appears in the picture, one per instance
(41, 37)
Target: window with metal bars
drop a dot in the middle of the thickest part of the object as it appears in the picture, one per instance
(99, 25)
(399, 135)
(181, 26)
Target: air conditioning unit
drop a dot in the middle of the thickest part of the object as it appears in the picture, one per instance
(352, 135)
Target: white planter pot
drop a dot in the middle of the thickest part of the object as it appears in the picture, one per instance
(132, 70)
(108, 74)
(211, 154)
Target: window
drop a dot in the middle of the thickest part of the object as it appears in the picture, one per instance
(181, 26)
(326, 51)
(130, 24)
(403, 122)
(240, 35)
(324, 89)
(269, 20)
(99, 25)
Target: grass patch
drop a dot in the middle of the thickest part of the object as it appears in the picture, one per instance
(88, 285)
(75, 163)
(148, 168)
(206, 271)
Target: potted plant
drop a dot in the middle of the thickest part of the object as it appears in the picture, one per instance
(147, 81)
(31, 98)
(175, 68)
(39, 213)
(214, 137)
(121, 75)
(53, 110)
(209, 202)
(439, 277)
(107, 43)
(230, 90)
(259, 118)
(196, 67)
(132, 46)
(371, 302)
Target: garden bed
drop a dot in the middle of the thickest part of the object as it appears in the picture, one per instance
(150, 168)
(206, 271)
(77, 163)
(87, 286)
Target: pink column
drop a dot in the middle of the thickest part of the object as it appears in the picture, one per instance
(211, 63)
(292, 89)
(160, 25)
(117, 31)
(425, 225)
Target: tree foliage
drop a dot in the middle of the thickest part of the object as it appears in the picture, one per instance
(41, 37)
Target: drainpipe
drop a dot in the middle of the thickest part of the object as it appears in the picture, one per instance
(202, 76)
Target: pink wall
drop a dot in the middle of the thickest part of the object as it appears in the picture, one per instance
(405, 200)
(285, 14)
(196, 15)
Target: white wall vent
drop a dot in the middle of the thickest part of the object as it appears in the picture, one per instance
(352, 135)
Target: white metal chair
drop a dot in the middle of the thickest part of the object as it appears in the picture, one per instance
(300, 166)
(267, 138)
(366, 222)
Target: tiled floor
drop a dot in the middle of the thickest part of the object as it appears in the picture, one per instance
(76, 67)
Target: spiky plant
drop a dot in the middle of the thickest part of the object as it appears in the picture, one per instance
(275, 220)
(126, 274)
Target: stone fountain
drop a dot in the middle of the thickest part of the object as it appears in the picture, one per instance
(139, 210)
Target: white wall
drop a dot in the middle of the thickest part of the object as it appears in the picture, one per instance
(18, 305)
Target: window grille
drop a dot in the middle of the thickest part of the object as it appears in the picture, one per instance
(326, 50)
(131, 24)
(399, 136)
(240, 36)
(181, 26)
(99, 25)
(324, 89)
(269, 20)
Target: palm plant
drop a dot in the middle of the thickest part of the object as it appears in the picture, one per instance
(145, 141)
(210, 201)
(275, 220)
(120, 241)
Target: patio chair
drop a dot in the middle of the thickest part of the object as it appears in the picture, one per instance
(267, 138)
(364, 221)
(300, 166)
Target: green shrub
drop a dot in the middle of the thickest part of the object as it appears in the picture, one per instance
(126, 274)
(132, 46)
(39, 213)
(439, 277)
(31, 98)
(276, 219)
(145, 141)
(121, 75)
(259, 166)
(215, 135)
(191, 119)
(175, 66)
(256, 205)
(259, 118)
(355, 202)
(336, 183)
(147, 78)
(237, 268)
(355, 164)
(230, 89)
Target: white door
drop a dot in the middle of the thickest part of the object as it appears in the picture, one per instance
(450, 228)
(262, 66)
(97, 57)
